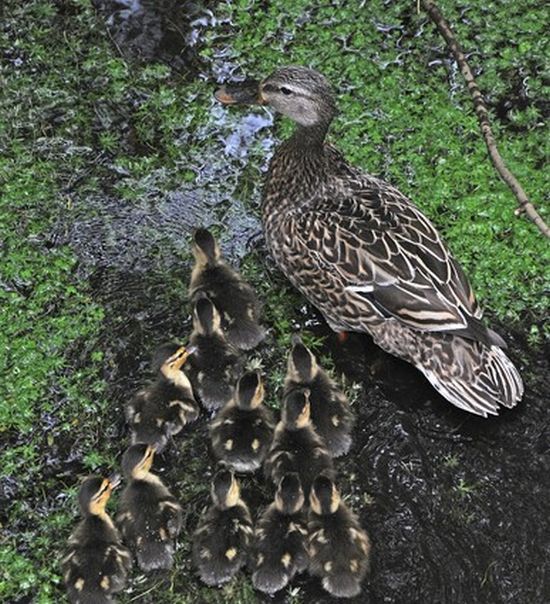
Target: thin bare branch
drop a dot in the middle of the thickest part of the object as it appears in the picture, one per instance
(524, 205)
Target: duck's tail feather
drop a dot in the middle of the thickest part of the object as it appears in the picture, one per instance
(270, 579)
(89, 597)
(153, 556)
(215, 393)
(342, 585)
(247, 335)
(480, 379)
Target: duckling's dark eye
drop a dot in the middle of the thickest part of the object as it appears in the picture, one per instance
(285, 91)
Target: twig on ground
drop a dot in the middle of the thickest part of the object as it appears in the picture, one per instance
(524, 205)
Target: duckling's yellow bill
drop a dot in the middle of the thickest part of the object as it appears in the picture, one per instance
(241, 93)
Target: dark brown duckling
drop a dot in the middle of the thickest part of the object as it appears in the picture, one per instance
(150, 516)
(221, 543)
(234, 298)
(280, 538)
(339, 548)
(96, 563)
(215, 364)
(163, 408)
(296, 446)
(242, 432)
(330, 410)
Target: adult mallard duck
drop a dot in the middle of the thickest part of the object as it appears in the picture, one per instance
(361, 252)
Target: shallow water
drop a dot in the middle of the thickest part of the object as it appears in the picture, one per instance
(457, 507)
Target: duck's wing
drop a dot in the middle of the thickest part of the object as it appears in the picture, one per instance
(383, 249)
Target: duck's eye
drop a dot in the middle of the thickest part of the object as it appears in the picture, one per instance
(286, 91)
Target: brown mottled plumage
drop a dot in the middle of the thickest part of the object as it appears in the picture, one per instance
(368, 258)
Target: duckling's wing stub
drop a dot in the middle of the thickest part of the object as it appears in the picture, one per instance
(390, 256)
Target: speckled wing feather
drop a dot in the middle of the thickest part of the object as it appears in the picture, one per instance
(383, 250)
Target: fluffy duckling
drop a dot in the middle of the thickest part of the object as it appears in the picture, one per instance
(338, 547)
(296, 446)
(162, 409)
(150, 517)
(281, 538)
(242, 432)
(238, 305)
(96, 563)
(222, 540)
(215, 364)
(330, 411)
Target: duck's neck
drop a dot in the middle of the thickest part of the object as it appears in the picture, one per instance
(297, 172)
(310, 139)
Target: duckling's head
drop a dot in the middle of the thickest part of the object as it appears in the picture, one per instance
(289, 497)
(324, 497)
(205, 248)
(95, 492)
(302, 94)
(169, 358)
(250, 391)
(302, 364)
(137, 461)
(225, 489)
(296, 409)
(206, 318)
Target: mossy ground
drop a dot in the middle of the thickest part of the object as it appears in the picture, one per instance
(79, 123)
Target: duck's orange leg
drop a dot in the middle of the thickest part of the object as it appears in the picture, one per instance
(342, 336)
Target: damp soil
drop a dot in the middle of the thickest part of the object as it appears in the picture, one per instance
(457, 507)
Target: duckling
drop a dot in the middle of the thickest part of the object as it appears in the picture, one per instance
(215, 365)
(162, 409)
(339, 548)
(296, 446)
(235, 299)
(280, 546)
(242, 432)
(330, 411)
(96, 563)
(150, 517)
(223, 537)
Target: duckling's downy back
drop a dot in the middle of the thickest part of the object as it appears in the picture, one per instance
(237, 302)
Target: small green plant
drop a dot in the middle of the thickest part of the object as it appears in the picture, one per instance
(464, 489)
(450, 461)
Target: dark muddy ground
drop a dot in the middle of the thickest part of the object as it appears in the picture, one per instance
(457, 507)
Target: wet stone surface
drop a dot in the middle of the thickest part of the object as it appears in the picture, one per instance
(156, 30)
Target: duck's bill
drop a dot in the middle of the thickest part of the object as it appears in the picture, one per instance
(240, 93)
(114, 480)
